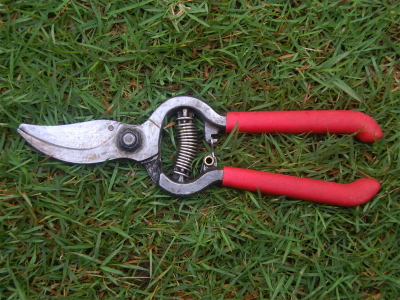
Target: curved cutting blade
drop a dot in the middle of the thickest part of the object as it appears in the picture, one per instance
(86, 142)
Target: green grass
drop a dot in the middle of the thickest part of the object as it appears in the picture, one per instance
(107, 231)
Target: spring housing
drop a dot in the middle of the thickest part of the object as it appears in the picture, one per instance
(187, 138)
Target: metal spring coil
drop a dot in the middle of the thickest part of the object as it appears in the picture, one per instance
(187, 137)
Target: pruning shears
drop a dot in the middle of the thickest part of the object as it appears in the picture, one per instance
(101, 140)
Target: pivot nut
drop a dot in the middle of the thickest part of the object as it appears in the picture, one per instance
(129, 140)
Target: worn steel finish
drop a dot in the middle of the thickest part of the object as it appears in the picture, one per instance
(86, 135)
(75, 143)
(98, 141)
(192, 187)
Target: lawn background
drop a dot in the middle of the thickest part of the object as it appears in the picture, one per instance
(107, 231)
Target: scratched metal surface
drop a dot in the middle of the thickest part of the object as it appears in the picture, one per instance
(94, 142)
(85, 135)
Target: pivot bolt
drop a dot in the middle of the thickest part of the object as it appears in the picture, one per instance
(129, 140)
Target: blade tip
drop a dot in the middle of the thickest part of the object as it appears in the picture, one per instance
(21, 127)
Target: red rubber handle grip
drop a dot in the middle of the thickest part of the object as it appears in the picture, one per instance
(339, 194)
(317, 121)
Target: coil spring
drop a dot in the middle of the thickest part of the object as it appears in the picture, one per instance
(187, 138)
